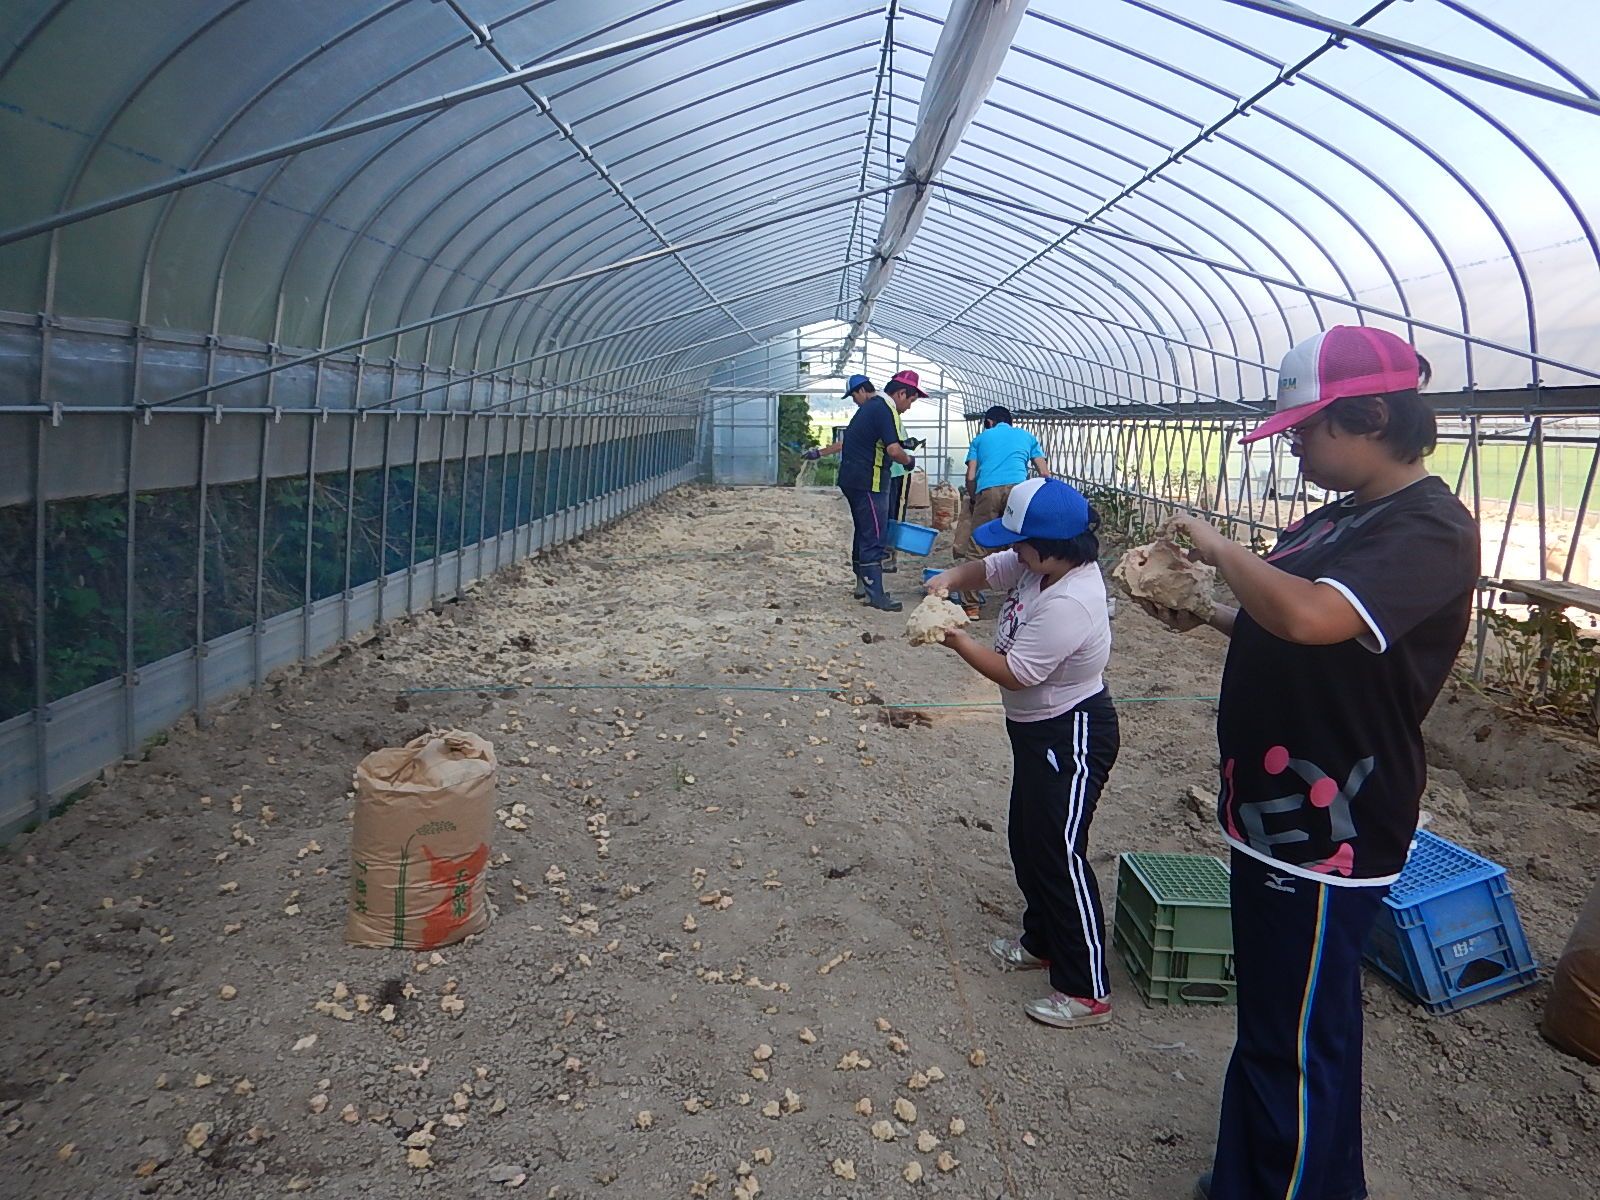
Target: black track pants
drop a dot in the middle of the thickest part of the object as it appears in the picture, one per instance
(1058, 768)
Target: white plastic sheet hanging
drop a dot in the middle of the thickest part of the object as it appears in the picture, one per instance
(976, 36)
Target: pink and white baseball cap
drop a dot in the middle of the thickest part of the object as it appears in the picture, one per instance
(1346, 360)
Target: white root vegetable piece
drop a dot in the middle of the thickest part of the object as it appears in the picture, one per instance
(934, 618)
(1162, 574)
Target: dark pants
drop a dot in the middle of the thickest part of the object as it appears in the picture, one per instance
(869, 511)
(1058, 769)
(1291, 1105)
(897, 497)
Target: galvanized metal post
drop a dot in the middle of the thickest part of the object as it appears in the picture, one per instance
(314, 419)
(490, 424)
(392, 421)
(41, 674)
(466, 482)
(258, 674)
(354, 417)
(130, 678)
(416, 492)
(1537, 434)
(130, 564)
(517, 523)
(438, 511)
(558, 506)
(200, 574)
(380, 581)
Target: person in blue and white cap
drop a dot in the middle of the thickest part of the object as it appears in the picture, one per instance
(1051, 644)
(858, 389)
(871, 442)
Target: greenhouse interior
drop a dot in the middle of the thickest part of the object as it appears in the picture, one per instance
(482, 370)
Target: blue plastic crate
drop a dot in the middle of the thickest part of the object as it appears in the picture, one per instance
(1449, 933)
(913, 539)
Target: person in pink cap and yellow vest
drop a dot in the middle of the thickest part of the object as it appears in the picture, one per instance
(903, 389)
(1344, 636)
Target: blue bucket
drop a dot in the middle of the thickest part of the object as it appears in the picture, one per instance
(929, 572)
(913, 539)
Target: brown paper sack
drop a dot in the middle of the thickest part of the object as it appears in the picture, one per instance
(1572, 1013)
(424, 818)
(917, 488)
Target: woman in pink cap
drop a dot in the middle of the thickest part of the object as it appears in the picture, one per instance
(1343, 638)
(903, 389)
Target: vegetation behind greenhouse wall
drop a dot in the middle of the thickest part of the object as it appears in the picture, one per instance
(87, 590)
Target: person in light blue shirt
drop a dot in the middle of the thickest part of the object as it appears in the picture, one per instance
(1001, 454)
(997, 461)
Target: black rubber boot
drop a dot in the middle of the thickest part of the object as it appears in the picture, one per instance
(876, 596)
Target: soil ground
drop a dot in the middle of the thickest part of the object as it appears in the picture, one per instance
(866, 866)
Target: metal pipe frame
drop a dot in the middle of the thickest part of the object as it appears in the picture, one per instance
(429, 323)
(381, 120)
(597, 262)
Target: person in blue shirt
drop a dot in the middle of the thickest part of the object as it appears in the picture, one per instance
(871, 443)
(997, 461)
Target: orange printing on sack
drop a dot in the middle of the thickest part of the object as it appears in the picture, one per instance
(457, 876)
(404, 869)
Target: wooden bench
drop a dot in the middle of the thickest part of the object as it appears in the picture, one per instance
(1552, 594)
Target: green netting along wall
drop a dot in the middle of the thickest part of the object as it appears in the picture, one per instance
(124, 610)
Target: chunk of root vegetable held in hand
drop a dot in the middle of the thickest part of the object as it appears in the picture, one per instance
(1162, 574)
(934, 618)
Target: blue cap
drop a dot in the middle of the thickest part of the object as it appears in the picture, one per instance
(856, 381)
(1037, 508)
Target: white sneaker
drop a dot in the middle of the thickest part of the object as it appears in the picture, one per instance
(1013, 957)
(1068, 1012)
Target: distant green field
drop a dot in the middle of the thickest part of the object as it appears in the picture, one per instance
(1566, 468)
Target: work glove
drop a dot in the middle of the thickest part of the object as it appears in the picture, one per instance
(812, 454)
(911, 462)
(914, 444)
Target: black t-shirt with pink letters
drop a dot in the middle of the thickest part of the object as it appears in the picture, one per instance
(1321, 746)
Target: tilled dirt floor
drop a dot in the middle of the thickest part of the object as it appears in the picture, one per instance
(615, 1035)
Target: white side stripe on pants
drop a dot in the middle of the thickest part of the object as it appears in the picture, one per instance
(1076, 804)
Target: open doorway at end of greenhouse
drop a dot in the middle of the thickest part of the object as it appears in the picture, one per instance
(771, 404)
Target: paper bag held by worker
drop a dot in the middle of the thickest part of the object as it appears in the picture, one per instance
(423, 821)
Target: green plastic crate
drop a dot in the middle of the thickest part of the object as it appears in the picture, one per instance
(1179, 900)
(1173, 927)
(1173, 976)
